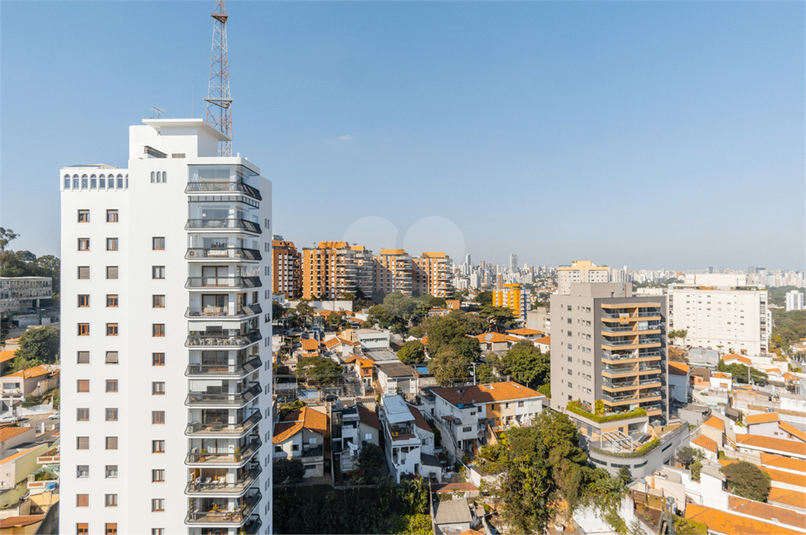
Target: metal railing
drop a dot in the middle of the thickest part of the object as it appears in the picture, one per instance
(226, 458)
(223, 253)
(238, 516)
(649, 341)
(223, 282)
(224, 368)
(218, 428)
(220, 312)
(224, 398)
(253, 525)
(220, 187)
(223, 340)
(218, 487)
(223, 224)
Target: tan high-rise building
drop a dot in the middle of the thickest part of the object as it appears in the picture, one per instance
(393, 271)
(580, 271)
(329, 270)
(365, 263)
(286, 269)
(431, 274)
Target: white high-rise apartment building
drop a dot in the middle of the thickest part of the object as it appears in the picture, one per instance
(794, 300)
(728, 319)
(166, 339)
(580, 271)
(513, 263)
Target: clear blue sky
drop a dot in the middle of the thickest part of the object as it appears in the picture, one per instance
(651, 134)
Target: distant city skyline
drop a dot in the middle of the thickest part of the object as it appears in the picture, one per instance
(652, 135)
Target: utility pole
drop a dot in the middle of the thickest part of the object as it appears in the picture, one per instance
(218, 98)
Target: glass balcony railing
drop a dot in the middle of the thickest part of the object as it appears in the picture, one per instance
(233, 458)
(219, 484)
(210, 511)
(223, 369)
(223, 282)
(222, 399)
(220, 187)
(226, 253)
(221, 429)
(643, 341)
(223, 224)
(252, 526)
(609, 329)
(224, 311)
(223, 340)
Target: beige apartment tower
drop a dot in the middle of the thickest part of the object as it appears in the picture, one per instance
(432, 274)
(286, 269)
(580, 271)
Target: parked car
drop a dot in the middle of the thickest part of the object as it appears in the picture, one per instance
(331, 397)
(54, 416)
(8, 420)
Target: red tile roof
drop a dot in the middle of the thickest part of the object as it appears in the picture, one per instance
(732, 524)
(706, 443)
(458, 487)
(766, 511)
(792, 430)
(11, 432)
(678, 368)
(419, 419)
(715, 422)
(30, 373)
(769, 444)
(368, 417)
(791, 498)
(486, 393)
(762, 418)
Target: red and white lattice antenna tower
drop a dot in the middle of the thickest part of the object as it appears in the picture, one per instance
(218, 98)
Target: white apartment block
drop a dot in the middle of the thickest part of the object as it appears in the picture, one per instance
(580, 271)
(166, 339)
(794, 300)
(18, 293)
(728, 319)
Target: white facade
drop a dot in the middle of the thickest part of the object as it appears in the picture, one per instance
(794, 300)
(728, 319)
(166, 338)
(580, 271)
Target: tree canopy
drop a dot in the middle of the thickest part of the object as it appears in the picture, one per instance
(740, 372)
(526, 364)
(319, 370)
(37, 346)
(287, 471)
(747, 480)
(412, 352)
(26, 264)
(449, 366)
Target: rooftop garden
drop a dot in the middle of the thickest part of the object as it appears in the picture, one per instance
(577, 408)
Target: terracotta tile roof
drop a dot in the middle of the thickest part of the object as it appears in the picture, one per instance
(762, 418)
(733, 356)
(333, 342)
(7, 355)
(30, 373)
(11, 432)
(368, 417)
(20, 521)
(491, 338)
(786, 477)
(678, 368)
(545, 340)
(715, 422)
(18, 455)
(434, 255)
(706, 443)
(424, 340)
(721, 375)
(787, 463)
(458, 487)
(791, 498)
(419, 419)
(766, 511)
(349, 342)
(392, 252)
(792, 430)
(471, 532)
(311, 419)
(769, 444)
(486, 393)
(285, 430)
(524, 332)
(309, 344)
(790, 377)
(732, 524)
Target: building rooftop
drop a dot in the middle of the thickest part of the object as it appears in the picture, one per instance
(786, 463)
(419, 419)
(524, 332)
(771, 445)
(715, 422)
(11, 432)
(766, 511)
(368, 417)
(706, 443)
(452, 512)
(397, 369)
(397, 410)
(36, 371)
(791, 498)
(678, 368)
(762, 418)
(485, 393)
(732, 524)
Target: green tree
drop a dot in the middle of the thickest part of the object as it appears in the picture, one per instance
(747, 480)
(484, 374)
(413, 496)
(740, 372)
(319, 370)
(526, 364)
(304, 311)
(6, 235)
(371, 465)
(696, 469)
(449, 366)
(412, 352)
(399, 305)
(624, 474)
(39, 345)
(438, 302)
(412, 525)
(688, 455)
(288, 408)
(333, 321)
(545, 390)
(417, 332)
(485, 298)
(287, 471)
(277, 310)
(499, 318)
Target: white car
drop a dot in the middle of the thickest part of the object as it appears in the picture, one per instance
(54, 416)
(8, 420)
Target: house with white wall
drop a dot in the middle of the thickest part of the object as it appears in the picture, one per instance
(301, 435)
(409, 441)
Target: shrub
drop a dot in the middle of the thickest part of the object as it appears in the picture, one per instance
(747, 480)
(576, 408)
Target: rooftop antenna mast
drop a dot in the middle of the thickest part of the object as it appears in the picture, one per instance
(218, 96)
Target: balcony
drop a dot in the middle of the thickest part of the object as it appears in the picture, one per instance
(222, 283)
(629, 329)
(222, 399)
(221, 187)
(208, 511)
(225, 459)
(253, 525)
(223, 430)
(630, 370)
(218, 485)
(223, 312)
(231, 341)
(317, 451)
(223, 369)
(223, 224)
(227, 254)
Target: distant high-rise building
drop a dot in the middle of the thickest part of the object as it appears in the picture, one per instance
(513, 263)
(432, 274)
(468, 261)
(794, 300)
(286, 268)
(513, 297)
(580, 271)
(393, 271)
(329, 270)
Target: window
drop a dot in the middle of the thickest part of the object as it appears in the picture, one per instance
(158, 330)
(83, 357)
(111, 329)
(111, 415)
(157, 272)
(111, 500)
(158, 505)
(157, 446)
(83, 415)
(82, 500)
(111, 527)
(83, 329)
(111, 216)
(111, 272)
(111, 244)
(111, 385)
(83, 300)
(111, 357)
(83, 470)
(83, 443)
(111, 471)
(158, 389)
(295, 447)
(278, 449)
(111, 300)
(157, 417)
(83, 272)
(466, 429)
(83, 244)
(83, 385)
(111, 443)
(82, 528)
(157, 531)
(158, 301)
(158, 244)
(158, 476)
(158, 359)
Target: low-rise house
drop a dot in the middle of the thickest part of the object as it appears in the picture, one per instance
(464, 413)
(33, 381)
(301, 435)
(757, 444)
(452, 517)
(309, 348)
(526, 334)
(362, 368)
(700, 377)
(722, 381)
(495, 342)
(360, 426)
(769, 424)
(708, 446)
(397, 378)
(409, 441)
(369, 339)
(543, 344)
(18, 459)
(679, 381)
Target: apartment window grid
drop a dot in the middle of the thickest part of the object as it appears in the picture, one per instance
(83, 301)
(111, 385)
(83, 216)
(82, 415)
(83, 357)
(158, 301)
(111, 357)
(158, 388)
(111, 415)
(157, 272)
(110, 500)
(157, 446)
(158, 505)
(111, 471)
(111, 329)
